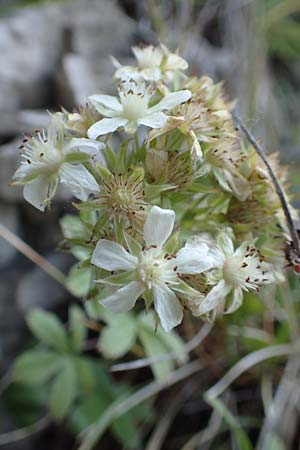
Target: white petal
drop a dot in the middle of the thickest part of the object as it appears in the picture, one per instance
(78, 180)
(237, 300)
(36, 192)
(151, 74)
(110, 103)
(225, 243)
(155, 120)
(217, 256)
(215, 297)
(110, 255)
(193, 260)
(90, 146)
(175, 62)
(158, 226)
(25, 170)
(125, 298)
(105, 126)
(171, 100)
(168, 307)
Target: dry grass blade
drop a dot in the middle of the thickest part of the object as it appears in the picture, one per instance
(245, 364)
(282, 417)
(160, 432)
(23, 433)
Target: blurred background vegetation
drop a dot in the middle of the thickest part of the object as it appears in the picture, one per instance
(63, 384)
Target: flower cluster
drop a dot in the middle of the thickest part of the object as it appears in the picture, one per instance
(180, 212)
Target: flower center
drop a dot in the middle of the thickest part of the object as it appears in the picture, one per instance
(122, 197)
(150, 272)
(154, 269)
(231, 271)
(135, 106)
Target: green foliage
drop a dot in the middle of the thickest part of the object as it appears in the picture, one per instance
(64, 389)
(123, 331)
(75, 387)
(48, 329)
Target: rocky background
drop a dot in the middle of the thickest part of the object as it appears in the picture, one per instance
(56, 53)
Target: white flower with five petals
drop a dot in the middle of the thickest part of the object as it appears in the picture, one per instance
(50, 157)
(234, 271)
(154, 64)
(150, 271)
(132, 108)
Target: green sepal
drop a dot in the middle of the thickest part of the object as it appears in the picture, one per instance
(153, 191)
(185, 289)
(133, 246)
(119, 279)
(105, 174)
(77, 157)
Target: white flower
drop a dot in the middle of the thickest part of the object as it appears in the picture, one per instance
(234, 271)
(48, 157)
(151, 271)
(154, 63)
(132, 108)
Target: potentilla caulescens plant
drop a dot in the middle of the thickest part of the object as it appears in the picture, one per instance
(174, 202)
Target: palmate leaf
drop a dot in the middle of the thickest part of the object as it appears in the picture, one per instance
(64, 390)
(118, 336)
(153, 346)
(157, 342)
(91, 407)
(78, 331)
(73, 228)
(79, 280)
(36, 366)
(48, 329)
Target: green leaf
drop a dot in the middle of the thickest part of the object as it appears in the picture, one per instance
(64, 390)
(35, 366)
(79, 280)
(153, 346)
(118, 336)
(126, 431)
(77, 327)
(80, 252)
(73, 228)
(86, 374)
(88, 410)
(174, 343)
(48, 329)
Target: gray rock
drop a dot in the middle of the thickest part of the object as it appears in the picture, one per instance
(9, 219)
(38, 289)
(30, 49)
(85, 78)
(99, 28)
(31, 119)
(11, 321)
(9, 155)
